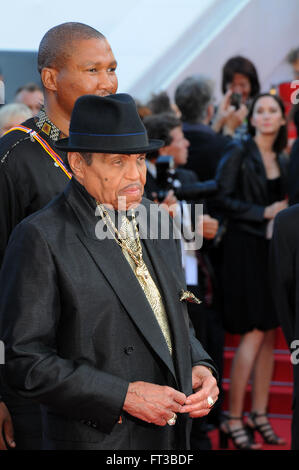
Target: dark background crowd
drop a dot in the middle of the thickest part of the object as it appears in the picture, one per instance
(239, 159)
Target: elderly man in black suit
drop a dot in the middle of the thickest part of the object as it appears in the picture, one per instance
(91, 308)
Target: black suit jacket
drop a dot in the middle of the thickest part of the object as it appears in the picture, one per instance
(29, 179)
(78, 327)
(205, 150)
(293, 177)
(242, 195)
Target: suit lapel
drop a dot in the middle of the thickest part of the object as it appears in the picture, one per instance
(111, 262)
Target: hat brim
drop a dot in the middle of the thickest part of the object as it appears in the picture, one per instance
(154, 144)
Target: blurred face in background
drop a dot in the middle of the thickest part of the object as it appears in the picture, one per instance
(267, 116)
(241, 84)
(33, 99)
(178, 147)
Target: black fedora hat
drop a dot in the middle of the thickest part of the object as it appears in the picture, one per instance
(107, 124)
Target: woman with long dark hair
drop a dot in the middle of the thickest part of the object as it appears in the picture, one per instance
(252, 181)
(240, 84)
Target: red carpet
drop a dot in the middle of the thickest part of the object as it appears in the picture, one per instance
(280, 399)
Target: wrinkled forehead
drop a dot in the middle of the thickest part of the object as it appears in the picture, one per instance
(88, 51)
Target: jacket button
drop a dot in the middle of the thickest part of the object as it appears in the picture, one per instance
(129, 350)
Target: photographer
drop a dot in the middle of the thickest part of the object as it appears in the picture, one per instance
(198, 272)
(240, 84)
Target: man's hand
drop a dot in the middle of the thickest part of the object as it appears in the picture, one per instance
(170, 203)
(223, 112)
(153, 403)
(6, 428)
(234, 120)
(272, 210)
(208, 226)
(204, 385)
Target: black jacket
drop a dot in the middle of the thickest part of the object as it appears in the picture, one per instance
(29, 179)
(205, 151)
(78, 327)
(284, 269)
(293, 180)
(242, 196)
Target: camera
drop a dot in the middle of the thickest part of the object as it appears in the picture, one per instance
(167, 179)
(236, 100)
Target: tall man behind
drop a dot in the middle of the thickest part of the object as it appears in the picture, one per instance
(73, 60)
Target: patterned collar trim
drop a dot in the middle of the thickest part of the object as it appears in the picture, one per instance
(47, 126)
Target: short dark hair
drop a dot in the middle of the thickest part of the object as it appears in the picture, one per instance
(56, 45)
(87, 156)
(243, 66)
(192, 97)
(282, 136)
(159, 103)
(159, 126)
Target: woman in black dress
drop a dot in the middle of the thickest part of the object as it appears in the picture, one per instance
(252, 180)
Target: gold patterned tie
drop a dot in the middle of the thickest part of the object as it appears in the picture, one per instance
(148, 286)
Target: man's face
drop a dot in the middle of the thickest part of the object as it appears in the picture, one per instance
(90, 70)
(112, 176)
(33, 99)
(178, 147)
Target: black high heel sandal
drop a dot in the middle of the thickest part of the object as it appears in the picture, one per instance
(241, 437)
(265, 429)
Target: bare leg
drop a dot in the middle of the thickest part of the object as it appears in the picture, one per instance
(242, 368)
(262, 373)
(261, 379)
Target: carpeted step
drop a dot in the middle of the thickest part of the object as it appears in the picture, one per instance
(283, 370)
(280, 399)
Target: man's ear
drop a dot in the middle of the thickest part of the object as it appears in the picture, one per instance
(77, 165)
(163, 150)
(49, 78)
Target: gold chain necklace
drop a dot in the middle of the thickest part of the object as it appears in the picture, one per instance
(141, 270)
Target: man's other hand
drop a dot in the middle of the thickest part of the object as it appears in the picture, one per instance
(6, 428)
(204, 385)
(208, 226)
